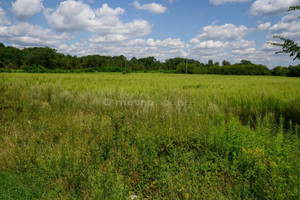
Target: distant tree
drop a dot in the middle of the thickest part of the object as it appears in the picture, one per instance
(181, 68)
(41, 57)
(288, 46)
(225, 63)
(133, 63)
(294, 71)
(280, 71)
(189, 68)
(246, 62)
(215, 69)
(210, 63)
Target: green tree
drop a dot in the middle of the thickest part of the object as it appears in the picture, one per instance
(225, 63)
(288, 45)
(246, 62)
(210, 63)
(280, 71)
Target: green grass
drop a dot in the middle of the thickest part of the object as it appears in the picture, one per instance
(158, 136)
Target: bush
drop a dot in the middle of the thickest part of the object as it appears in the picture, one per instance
(91, 70)
(34, 69)
(112, 69)
(2, 70)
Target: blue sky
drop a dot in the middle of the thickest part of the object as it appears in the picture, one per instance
(198, 29)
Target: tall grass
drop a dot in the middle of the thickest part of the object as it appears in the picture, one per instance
(158, 136)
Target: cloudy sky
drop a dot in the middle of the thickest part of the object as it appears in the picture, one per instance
(198, 29)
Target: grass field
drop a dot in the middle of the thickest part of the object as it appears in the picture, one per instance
(156, 136)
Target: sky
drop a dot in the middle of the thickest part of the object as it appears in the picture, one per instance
(198, 29)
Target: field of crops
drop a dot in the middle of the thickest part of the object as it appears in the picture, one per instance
(153, 136)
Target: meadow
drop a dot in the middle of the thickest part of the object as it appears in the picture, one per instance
(155, 136)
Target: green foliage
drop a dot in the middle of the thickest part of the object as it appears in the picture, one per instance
(34, 69)
(215, 69)
(294, 8)
(2, 70)
(280, 71)
(210, 63)
(225, 63)
(191, 68)
(294, 71)
(205, 137)
(246, 62)
(240, 69)
(289, 46)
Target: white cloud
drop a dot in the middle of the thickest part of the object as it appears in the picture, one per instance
(108, 38)
(76, 16)
(226, 31)
(288, 26)
(263, 26)
(219, 2)
(272, 7)
(210, 44)
(151, 7)
(233, 45)
(171, 43)
(246, 52)
(25, 34)
(234, 51)
(194, 41)
(24, 9)
(270, 48)
(3, 19)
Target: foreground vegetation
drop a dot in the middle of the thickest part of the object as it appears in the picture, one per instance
(47, 60)
(157, 136)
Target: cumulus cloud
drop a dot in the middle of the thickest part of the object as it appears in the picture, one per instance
(226, 31)
(263, 26)
(272, 7)
(233, 45)
(270, 48)
(3, 19)
(76, 16)
(288, 26)
(24, 9)
(235, 51)
(151, 7)
(194, 41)
(219, 2)
(108, 38)
(25, 34)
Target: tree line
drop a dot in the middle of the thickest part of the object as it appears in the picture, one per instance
(45, 60)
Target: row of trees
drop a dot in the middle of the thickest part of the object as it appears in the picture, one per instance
(45, 59)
